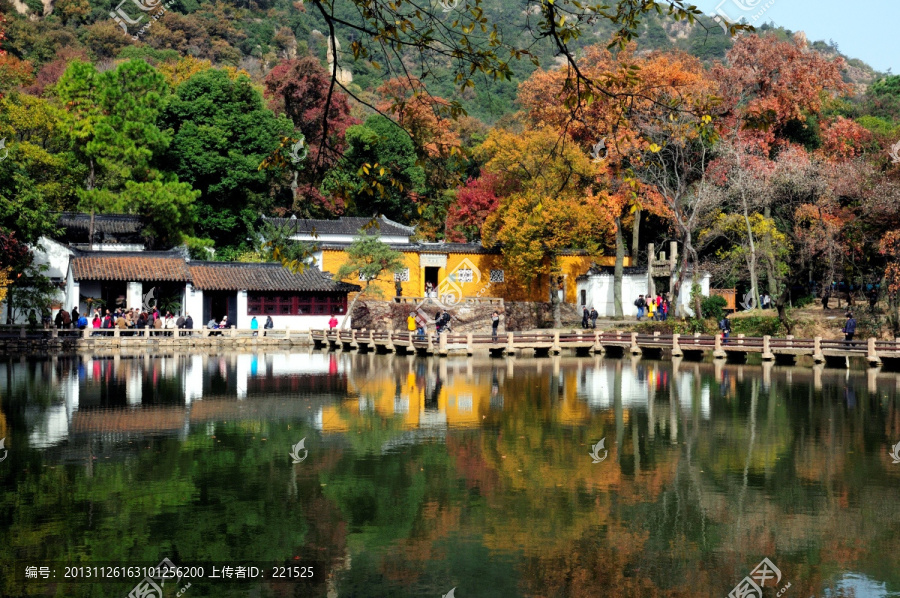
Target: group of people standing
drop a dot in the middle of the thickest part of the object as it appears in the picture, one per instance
(654, 308)
(589, 318)
(124, 320)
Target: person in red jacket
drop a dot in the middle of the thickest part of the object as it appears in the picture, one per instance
(333, 322)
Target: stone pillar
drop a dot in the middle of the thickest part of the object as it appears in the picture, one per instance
(676, 348)
(718, 352)
(872, 355)
(598, 348)
(767, 354)
(635, 349)
(818, 357)
(470, 344)
(556, 347)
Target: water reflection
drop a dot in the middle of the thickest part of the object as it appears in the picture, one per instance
(425, 474)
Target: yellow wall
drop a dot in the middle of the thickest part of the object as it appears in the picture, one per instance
(481, 264)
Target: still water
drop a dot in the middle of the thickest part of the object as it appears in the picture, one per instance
(417, 476)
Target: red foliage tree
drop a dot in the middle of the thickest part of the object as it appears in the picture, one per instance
(768, 83)
(844, 139)
(13, 253)
(299, 89)
(473, 204)
(50, 73)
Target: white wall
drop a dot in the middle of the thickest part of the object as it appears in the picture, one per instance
(193, 304)
(118, 247)
(243, 320)
(293, 322)
(347, 239)
(55, 255)
(134, 294)
(599, 292)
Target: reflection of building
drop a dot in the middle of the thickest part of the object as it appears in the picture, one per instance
(636, 385)
(458, 269)
(118, 396)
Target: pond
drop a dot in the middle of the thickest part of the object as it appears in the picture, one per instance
(358, 475)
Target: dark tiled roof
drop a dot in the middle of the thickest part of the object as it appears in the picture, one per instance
(232, 276)
(344, 226)
(425, 247)
(103, 223)
(130, 266)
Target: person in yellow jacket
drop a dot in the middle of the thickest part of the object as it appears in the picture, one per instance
(651, 308)
(411, 322)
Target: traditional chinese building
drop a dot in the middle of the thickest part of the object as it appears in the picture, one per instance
(205, 290)
(460, 270)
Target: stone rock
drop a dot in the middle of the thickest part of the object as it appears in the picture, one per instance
(466, 317)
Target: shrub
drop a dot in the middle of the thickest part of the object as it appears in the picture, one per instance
(757, 326)
(804, 301)
(713, 307)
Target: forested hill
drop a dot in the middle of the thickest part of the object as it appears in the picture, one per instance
(255, 35)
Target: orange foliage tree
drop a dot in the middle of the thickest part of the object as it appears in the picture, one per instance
(553, 208)
(613, 127)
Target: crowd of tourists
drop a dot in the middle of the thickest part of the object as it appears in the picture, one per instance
(654, 308)
(127, 321)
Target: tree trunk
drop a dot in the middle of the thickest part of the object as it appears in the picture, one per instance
(771, 277)
(754, 277)
(619, 270)
(554, 298)
(352, 305)
(636, 238)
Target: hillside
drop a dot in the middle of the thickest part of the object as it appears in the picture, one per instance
(255, 35)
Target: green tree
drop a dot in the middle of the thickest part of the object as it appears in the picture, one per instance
(379, 173)
(113, 122)
(368, 259)
(166, 208)
(112, 119)
(41, 173)
(222, 132)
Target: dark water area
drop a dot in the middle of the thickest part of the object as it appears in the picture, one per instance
(346, 475)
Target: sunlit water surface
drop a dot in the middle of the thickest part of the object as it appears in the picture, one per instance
(417, 476)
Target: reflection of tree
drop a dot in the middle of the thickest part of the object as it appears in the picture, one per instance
(688, 503)
(218, 497)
